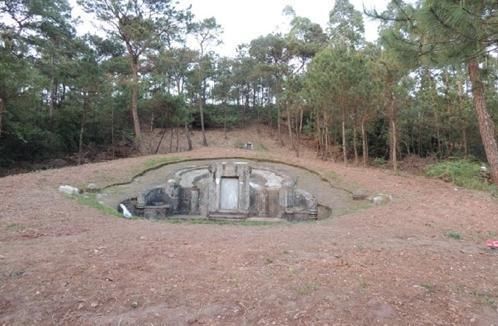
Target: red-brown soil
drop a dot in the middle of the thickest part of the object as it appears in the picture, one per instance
(64, 263)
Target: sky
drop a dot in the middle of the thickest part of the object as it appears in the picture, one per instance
(245, 20)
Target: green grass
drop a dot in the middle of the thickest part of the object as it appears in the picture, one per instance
(91, 201)
(307, 288)
(15, 227)
(379, 162)
(429, 287)
(217, 222)
(463, 173)
(260, 147)
(486, 299)
(454, 235)
(158, 161)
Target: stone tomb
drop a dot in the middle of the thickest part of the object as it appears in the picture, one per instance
(226, 190)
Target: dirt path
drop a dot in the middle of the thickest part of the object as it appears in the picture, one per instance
(63, 263)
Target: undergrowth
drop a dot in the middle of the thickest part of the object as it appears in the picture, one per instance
(463, 173)
(92, 201)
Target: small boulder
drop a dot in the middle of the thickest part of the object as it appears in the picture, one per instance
(360, 195)
(380, 199)
(92, 187)
(69, 190)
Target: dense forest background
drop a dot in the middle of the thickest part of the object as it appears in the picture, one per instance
(427, 87)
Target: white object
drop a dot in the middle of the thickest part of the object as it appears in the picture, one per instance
(126, 212)
(69, 190)
(381, 199)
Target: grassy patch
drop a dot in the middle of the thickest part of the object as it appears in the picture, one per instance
(486, 299)
(379, 162)
(454, 235)
(463, 173)
(158, 161)
(260, 148)
(91, 201)
(307, 289)
(202, 221)
(15, 227)
(429, 287)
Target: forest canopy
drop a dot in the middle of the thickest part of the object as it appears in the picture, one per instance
(426, 87)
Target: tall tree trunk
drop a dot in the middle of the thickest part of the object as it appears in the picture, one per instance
(134, 103)
(2, 111)
(394, 146)
(52, 90)
(465, 143)
(318, 134)
(171, 140)
(82, 129)
(355, 144)
(364, 142)
(486, 124)
(112, 133)
(152, 122)
(344, 149)
(278, 126)
(189, 140)
(201, 111)
(299, 131)
(393, 139)
(177, 134)
(327, 144)
(225, 121)
(289, 126)
(160, 141)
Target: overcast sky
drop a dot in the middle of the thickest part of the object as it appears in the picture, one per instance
(245, 20)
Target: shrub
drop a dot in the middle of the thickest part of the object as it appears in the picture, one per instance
(463, 173)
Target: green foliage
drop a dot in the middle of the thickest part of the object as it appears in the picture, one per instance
(463, 173)
(379, 161)
(216, 116)
(91, 200)
(61, 93)
(454, 235)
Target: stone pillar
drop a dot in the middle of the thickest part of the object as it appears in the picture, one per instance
(173, 192)
(244, 174)
(287, 196)
(194, 201)
(141, 201)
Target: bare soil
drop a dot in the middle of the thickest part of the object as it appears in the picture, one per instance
(397, 264)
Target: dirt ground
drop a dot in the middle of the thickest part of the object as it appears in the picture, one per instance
(397, 264)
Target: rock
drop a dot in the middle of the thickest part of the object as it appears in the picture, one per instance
(69, 190)
(380, 199)
(360, 195)
(94, 304)
(92, 187)
(134, 304)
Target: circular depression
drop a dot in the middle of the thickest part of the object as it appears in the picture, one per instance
(333, 201)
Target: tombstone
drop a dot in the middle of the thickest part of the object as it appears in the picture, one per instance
(229, 189)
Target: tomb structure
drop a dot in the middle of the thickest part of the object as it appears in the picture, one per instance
(226, 190)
